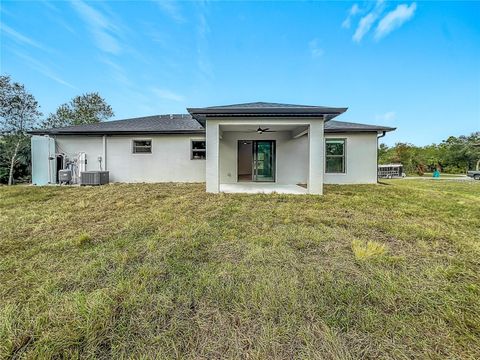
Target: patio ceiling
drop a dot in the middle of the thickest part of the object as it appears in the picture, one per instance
(295, 131)
(254, 127)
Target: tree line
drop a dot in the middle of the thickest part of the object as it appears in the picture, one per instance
(20, 113)
(454, 155)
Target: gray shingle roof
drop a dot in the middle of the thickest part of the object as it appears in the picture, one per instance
(178, 124)
(261, 105)
(157, 124)
(265, 109)
(333, 126)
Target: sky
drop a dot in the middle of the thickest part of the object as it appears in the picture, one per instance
(412, 65)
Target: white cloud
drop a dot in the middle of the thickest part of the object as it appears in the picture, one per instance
(49, 5)
(364, 26)
(394, 19)
(366, 22)
(354, 10)
(56, 15)
(104, 31)
(44, 69)
(19, 38)
(203, 54)
(387, 117)
(117, 72)
(315, 50)
(167, 94)
(171, 9)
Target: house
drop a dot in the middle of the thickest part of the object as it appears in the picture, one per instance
(234, 148)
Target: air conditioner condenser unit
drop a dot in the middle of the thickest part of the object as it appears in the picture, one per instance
(94, 178)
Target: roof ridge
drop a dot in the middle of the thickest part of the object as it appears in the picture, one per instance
(262, 104)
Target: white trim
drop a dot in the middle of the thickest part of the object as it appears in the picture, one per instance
(344, 172)
(191, 148)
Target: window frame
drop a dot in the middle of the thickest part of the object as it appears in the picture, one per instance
(142, 153)
(198, 150)
(343, 156)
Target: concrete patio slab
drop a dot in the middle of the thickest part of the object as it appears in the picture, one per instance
(262, 188)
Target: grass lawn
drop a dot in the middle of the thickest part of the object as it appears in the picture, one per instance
(168, 271)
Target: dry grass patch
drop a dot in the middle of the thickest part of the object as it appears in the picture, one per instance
(368, 250)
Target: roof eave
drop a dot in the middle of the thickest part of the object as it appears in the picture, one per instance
(267, 111)
(100, 133)
(201, 116)
(346, 130)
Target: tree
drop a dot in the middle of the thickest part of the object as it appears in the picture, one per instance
(384, 153)
(461, 153)
(453, 155)
(21, 168)
(88, 108)
(19, 112)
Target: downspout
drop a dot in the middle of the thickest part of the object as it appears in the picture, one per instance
(104, 155)
(50, 158)
(378, 137)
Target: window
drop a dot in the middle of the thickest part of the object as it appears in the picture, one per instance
(199, 150)
(142, 146)
(335, 156)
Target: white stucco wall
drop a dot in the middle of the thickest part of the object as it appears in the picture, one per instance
(91, 145)
(360, 161)
(291, 156)
(170, 160)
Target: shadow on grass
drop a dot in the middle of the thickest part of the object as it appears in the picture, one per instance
(383, 183)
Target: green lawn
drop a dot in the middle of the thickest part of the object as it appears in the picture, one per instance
(168, 271)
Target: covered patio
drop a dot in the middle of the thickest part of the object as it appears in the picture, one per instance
(266, 156)
(265, 147)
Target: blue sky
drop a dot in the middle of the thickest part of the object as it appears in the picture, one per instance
(412, 65)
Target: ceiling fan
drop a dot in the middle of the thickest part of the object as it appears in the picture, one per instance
(261, 131)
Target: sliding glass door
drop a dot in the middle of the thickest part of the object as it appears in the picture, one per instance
(263, 160)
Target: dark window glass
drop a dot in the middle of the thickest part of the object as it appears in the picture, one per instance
(334, 165)
(335, 156)
(142, 146)
(199, 150)
(335, 148)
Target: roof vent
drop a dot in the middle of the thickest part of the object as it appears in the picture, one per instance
(171, 116)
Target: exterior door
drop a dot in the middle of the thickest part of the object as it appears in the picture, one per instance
(263, 160)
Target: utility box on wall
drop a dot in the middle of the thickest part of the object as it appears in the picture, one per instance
(44, 166)
(65, 176)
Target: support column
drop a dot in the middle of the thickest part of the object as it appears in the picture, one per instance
(213, 152)
(316, 158)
